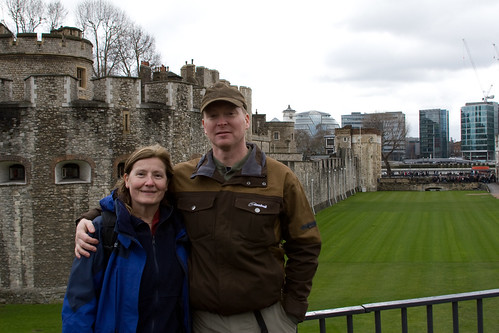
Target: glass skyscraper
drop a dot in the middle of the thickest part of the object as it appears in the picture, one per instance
(313, 121)
(479, 126)
(434, 133)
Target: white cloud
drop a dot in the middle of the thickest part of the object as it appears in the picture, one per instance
(334, 56)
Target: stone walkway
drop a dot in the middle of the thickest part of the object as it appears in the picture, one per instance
(494, 189)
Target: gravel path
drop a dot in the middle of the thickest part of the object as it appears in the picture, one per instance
(494, 189)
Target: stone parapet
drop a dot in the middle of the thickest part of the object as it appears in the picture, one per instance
(54, 44)
(50, 90)
(121, 92)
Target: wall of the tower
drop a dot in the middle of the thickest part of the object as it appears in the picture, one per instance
(62, 52)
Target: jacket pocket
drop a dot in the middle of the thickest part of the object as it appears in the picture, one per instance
(198, 215)
(255, 220)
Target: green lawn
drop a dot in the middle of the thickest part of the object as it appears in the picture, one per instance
(381, 246)
(30, 318)
(388, 246)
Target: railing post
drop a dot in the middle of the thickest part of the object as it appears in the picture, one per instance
(429, 318)
(455, 317)
(479, 315)
(377, 319)
(350, 324)
(404, 320)
(322, 325)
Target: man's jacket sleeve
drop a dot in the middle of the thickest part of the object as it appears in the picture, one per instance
(302, 247)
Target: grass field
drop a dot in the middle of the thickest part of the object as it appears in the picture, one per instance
(378, 247)
(30, 318)
(388, 246)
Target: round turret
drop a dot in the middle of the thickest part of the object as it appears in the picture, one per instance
(62, 52)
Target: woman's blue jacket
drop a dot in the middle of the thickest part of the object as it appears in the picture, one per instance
(104, 296)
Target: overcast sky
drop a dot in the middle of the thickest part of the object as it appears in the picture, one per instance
(334, 56)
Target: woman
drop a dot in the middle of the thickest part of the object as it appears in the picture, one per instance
(142, 287)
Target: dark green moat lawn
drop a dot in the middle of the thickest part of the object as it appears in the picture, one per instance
(387, 246)
(382, 246)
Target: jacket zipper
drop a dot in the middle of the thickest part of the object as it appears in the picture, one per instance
(156, 267)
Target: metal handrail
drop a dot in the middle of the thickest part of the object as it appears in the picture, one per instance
(349, 312)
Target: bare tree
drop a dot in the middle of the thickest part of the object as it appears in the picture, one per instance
(394, 131)
(27, 15)
(303, 143)
(107, 25)
(56, 13)
(15, 9)
(136, 46)
(311, 144)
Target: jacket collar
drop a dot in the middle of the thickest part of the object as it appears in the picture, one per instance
(125, 222)
(255, 166)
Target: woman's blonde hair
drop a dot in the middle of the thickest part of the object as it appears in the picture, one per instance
(142, 153)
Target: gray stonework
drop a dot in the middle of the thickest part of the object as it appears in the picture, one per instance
(48, 121)
(5, 90)
(26, 55)
(328, 180)
(365, 146)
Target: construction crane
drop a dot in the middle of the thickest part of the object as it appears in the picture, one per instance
(486, 95)
(497, 52)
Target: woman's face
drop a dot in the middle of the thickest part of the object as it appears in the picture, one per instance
(147, 182)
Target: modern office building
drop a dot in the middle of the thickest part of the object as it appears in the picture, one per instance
(311, 121)
(390, 123)
(479, 126)
(412, 148)
(355, 119)
(434, 133)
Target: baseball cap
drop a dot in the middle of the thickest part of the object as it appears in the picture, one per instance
(223, 92)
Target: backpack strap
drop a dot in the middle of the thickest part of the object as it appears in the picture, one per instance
(108, 235)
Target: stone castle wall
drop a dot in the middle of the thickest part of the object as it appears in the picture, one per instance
(38, 216)
(365, 145)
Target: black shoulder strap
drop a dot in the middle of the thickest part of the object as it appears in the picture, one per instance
(108, 235)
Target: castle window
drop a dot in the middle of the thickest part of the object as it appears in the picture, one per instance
(276, 135)
(12, 173)
(81, 75)
(16, 172)
(126, 122)
(72, 172)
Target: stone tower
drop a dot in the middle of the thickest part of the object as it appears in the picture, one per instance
(288, 114)
(61, 52)
(365, 145)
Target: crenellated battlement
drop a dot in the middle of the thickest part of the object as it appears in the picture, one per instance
(65, 41)
(61, 52)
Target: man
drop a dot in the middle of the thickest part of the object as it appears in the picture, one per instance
(243, 212)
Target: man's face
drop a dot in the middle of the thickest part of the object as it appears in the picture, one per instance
(225, 124)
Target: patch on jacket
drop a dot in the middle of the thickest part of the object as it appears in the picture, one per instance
(308, 225)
